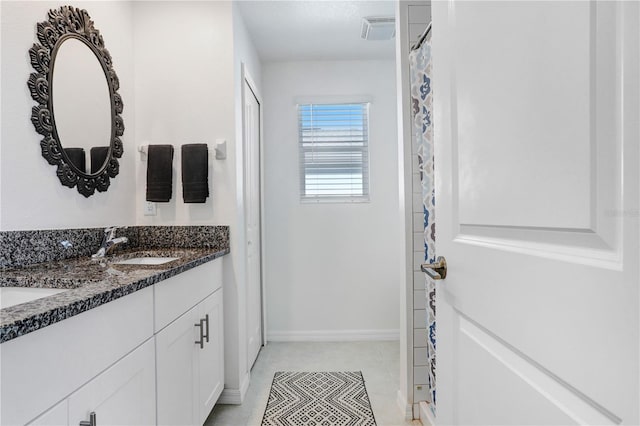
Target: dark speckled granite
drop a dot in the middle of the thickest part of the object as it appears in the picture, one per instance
(27, 247)
(21, 248)
(92, 283)
(184, 236)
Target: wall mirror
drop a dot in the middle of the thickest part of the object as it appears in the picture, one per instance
(79, 108)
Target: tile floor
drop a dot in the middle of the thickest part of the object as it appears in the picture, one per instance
(378, 361)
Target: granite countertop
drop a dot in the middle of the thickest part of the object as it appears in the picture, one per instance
(90, 284)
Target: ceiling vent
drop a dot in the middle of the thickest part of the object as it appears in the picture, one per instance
(378, 28)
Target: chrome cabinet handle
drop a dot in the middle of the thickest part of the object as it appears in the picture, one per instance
(91, 422)
(201, 341)
(206, 319)
(436, 270)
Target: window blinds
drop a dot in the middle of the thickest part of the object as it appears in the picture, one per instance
(334, 151)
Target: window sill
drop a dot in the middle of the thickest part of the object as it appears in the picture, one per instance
(335, 200)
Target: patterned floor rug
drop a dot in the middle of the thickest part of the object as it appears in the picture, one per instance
(318, 399)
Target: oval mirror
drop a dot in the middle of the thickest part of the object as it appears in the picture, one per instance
(79, 108)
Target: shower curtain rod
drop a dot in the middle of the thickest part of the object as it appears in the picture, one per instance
(422, 37)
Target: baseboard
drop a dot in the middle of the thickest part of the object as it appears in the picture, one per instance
(404, 406)
(426, 416)
(333, 335)
(235, 396)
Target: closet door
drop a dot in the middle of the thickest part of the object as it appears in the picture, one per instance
(252, 211)
(537, 186)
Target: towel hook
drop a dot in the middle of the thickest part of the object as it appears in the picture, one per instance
(143, 150)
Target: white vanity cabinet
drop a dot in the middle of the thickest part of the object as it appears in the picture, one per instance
(211, 357)
(189, 350)
(177, 369)
(45, 367)
(131, 361)
(123, 394)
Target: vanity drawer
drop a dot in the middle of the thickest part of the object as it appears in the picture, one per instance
(176, 295)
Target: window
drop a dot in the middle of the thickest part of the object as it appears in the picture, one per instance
(334, 152)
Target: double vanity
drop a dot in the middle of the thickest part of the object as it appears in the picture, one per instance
(135, 337)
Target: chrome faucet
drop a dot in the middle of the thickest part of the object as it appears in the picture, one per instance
(109, 241)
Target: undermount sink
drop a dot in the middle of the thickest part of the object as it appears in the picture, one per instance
(10, 296)
(146, 261)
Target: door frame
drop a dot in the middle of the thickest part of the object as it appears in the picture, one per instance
(246, 79)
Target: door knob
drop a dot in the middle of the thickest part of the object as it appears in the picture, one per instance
(436, 270)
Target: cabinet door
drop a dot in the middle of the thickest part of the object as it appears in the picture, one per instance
(211, 358)
(122, 395)
(176, 355)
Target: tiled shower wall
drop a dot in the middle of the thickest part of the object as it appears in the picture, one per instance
(419, 14)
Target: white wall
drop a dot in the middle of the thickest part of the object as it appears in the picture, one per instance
(188, 90)
(183, 74)
(236, 368)
(31, 196)
(331, 269)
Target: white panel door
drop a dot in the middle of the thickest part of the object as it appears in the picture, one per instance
(211, 356)
(252, 217)
(123, 395)
(56, 416)
(536, 155)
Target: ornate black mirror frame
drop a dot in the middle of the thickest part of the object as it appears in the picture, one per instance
(64, 23)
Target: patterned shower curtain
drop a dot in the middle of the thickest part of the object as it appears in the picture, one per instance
(422, 114)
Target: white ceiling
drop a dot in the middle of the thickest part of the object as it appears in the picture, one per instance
(315, 29)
